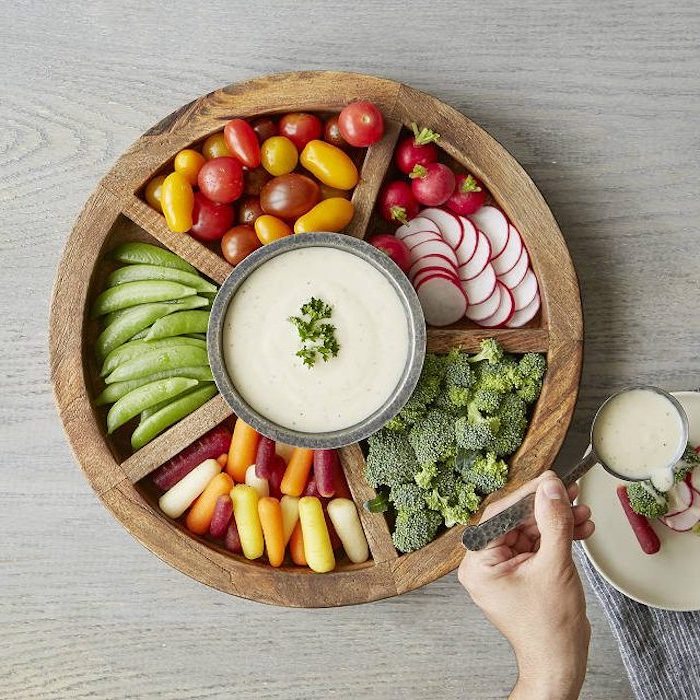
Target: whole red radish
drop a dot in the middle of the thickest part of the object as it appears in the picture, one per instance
(432, 184)
(395, 248)
(361, 124)
(397, 203)
(210, 220)
(468, 196)
(419, 149)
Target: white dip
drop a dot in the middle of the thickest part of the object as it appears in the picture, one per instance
(260, 343)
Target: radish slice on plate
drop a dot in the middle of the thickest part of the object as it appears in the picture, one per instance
(434, 261)
(414, 239)
(470, 240)
(503, 313)
(493, 224)
(418, 224)
(442, 299)
(526, 291)
(448, 224)
(511, 253)
(433, 248)
(478, 312)
(515, 275)
(520, 318)
(683, 521)
(480, 288)
(478, 261)
(694, 479)
(680, 498)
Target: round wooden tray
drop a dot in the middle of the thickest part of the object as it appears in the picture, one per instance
(116, 212)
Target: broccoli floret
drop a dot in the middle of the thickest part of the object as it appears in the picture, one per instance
(445, 480)
(646, 500)
(490, 350)
(499, 376)
(425, 476)
(458, 396)
(528, 376)
(689, 461)
(513, 424)
(487, 473)
(476, 431)
(415, 528)
(433, 437)
(426, 391)
(487, 401)
(378, 504)
(390, 459)
(458, 371)
(459, 506)
(407, 497)
(396, 424)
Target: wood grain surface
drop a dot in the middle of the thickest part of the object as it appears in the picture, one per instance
(598, 101)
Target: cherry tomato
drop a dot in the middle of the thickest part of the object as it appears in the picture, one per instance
(328, 192)
(397, 203)
(361, 124)
(210, 220)
(215, 146)
(242, 141)
(249, 210)
(329, 215)
(396, 249)
(289, 196)
(264, 128)
(255, 179)
(270, 228)
(300, 128)
(468, 196)
(331, 133)
(189, 163)
(238, 243)
(153, 191)
(279, 155)
(221, 180)
(432, 184)
(329, 164)
(177, 200)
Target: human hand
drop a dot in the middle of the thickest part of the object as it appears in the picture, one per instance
(526, 584)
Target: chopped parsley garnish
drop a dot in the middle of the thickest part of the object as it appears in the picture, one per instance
(317, 338)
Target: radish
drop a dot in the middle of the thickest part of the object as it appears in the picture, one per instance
(440, 272)
(397, 203)
(493, 224)
(433, 247)
(510, 254)
(432, 184)
(478, 312)
(481, 287)
(468, 196)
(475, 265)
(413, 239)
(450, 225)
(417, 224)
(504, 312)
(694, 478)
(526, 291)
(442, 299)
(683, 521)
(394, 248)
(418, 149)
(433, 262)
(515, 275)
(680, 498)
(520, 318)
(469, 242)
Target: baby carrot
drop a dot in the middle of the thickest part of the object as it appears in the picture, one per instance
(317, 542)
(296, 546)
(245, 511)
(223, 512)
(260, 485)
(222, 459)
(297, 472)
(290, 515)
(202, 510)
(241, 454)
(271, 520)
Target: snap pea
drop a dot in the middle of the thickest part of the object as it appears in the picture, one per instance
(152, 361)
(173, 412)
(135, 273)
(147, 254)
(197, 336)
(134, 348)
(141, 335)
(184, 304)
(180, 323)
(147, 395)
(114, 392)
(135, 293)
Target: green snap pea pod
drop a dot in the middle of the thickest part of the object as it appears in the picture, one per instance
(173, 412)
(139, 253)
(152, 361)
(196, 336)
(147, 395)
(135, 348)
(151, 410)
(135, 293)
(136, 273)
(184, 304)
(114, 392)
(180, 323)
(141, 335)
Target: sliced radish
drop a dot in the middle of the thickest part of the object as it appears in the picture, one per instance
(478, 261)
(694, 479)
(442, 299)
(683, 521)
(680, 498)
(420, 223)
(436, 262)
(504, 312)
(448, 224)
(515, 275)
(414, 239)
(470, 240)
(511, 253)
(520, 318)
(481, 287)
(493, 224)
(430, 272)
(433, 248)
(478, 312)
(526, 291)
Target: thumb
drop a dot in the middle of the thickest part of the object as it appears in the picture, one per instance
(555, 521)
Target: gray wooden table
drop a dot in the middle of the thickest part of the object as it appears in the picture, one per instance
(599, 101)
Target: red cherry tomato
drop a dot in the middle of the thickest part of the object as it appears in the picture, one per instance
(397, 203)
(361, 124)
(395, 248)
(221, 179)
(331, 133)
(249, 210)
(468, 196)
(300, 128)
(238, 243)
(242, 141)
(264, 128)
(210, 220)
(432, 184)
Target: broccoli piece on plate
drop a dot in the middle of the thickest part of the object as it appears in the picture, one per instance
(407, 497)
(646, 500)
(390, 459)
(487, 472)
(415, 528)
(490, 350)
(433, 437)
(689, 461)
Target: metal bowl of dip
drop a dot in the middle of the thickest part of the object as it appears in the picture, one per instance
(407, 375)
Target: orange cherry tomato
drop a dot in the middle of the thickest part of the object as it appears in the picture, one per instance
(332, 214)
(238, 243)
(279, 155)
(215, 146)
(153, 192)
(189, 163)
(177, 200)
(269, 228)
(329, 164)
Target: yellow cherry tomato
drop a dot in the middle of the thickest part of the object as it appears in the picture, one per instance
(269, 228)
(153, 192)
(215, 146)
(332, 214)
(177, 200)
(189, 163)
(329, 164)
(278, 155)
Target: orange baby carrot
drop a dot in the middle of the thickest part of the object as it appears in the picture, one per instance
(297, 472)
(241, 454)
(202, 510)
(222, 459)
(296, 546)
(271, 520)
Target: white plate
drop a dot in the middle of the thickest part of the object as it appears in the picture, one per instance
(668, 579)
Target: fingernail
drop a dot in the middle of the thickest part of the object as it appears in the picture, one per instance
(554, 489)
